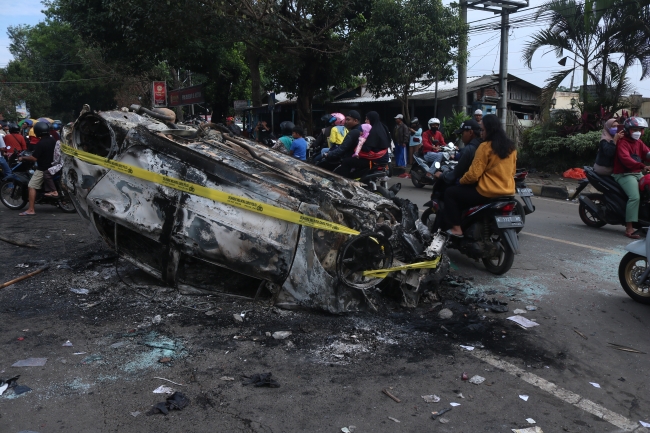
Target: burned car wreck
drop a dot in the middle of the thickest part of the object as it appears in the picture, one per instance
(203, 246)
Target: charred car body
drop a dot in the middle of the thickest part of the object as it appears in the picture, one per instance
(203, 246)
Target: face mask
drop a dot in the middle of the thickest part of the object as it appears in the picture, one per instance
(612, 131)
(434, 128)
(636, 135)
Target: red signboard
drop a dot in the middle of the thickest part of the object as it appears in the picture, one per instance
(159, 94)
(187, 96)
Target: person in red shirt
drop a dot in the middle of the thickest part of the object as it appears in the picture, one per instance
(629, 169)
(14, 141)
(431, 142)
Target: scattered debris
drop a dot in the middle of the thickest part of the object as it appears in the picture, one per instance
(226, 378)
(67, 344)
(477, 380)
(18, 244)
(171, 381)
(563, 276)
(30, 362)
(80, 353)
(135, 414)
(622, 379)
(443, 420)
(3, 388)
(349, 429)
(176, 401)
(460, 395)
(79, 291)
(528, 430)
(238, 318)
(393, 419)
(21, 389)
(435, 415)
(624, 348)
(644, 424)
(260, 379)
(22, 265)
(464, 376)
(519, 311)
(531, 308)
(445, 313)
(594, 384)
(90, 359)
(162, 389)
(281, 335)
(164, 360)
(387, 392)
(12, 385)
(156, 320)
(24, 277)
(454, 404)
(524, 397)
(580, 334)
(494, 305)
(530, 421)
(470, 348)
(523, 322)
(431, 398)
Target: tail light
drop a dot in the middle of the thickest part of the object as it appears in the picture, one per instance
(521, 175)
(506, 207)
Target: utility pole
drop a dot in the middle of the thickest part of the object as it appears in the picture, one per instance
(462, 64)
(435, 103)
(502, 104)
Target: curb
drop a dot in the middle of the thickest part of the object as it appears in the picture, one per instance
(559, 192)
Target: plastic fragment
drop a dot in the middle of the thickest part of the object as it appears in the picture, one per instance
(594, 384)
(30, 362)
(393, 419)
(67, 344)
(528, 430)
(469, 348)
(454, 404)
(530, 421)
(79, 291)
(531, 307)
(477, 380)
(519, 311)
(524, 397)
(431, 398)
(162, 389)
(281, 335)
(523, 322)
(645, 424)
(226, 378)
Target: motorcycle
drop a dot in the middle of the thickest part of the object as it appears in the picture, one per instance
(14, 192)
(633, 271)
(607, 206)
(525, 194)
(490, 231)
(421, 167)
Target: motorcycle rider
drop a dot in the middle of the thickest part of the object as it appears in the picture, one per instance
(233, 127)
(336, 133)
(374, 151)
(604, 164)
(14, 141)
(628, 169)
(432, 139)
(470, 131)
(333, 158)
(286, 129)
(6, 170)
(43, 156)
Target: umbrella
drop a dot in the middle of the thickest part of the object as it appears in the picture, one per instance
(46, 119)
(29, 121)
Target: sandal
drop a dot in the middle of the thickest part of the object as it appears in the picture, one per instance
(632, 235)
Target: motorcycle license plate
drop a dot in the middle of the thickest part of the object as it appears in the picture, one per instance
(508, 222)
(525, 192)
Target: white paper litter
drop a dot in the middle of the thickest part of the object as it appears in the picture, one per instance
(226, 378)
(67, 344)
(519, 311)
(79, 291)
(79, 353)
(431, 398)
(30, 362)
(477, 380)
(135, 414)
(522, 321)
(645, 424)
(162, 389)
(530, 421)
(3, 388)
(531, 308)
(281, 335)
(528, 430)
(454, 404)
(524, 397)
(393, 419)
(595, 385)
(470, 348)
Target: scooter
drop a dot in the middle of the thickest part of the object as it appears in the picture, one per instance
(421, 167)
(14, 191)
(634, 272)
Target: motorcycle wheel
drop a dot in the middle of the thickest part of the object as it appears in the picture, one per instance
(629, 270)
(65, 204)
(519, 210)
(12, 196)
(426, 220)
(587, 217)
(419, 170)
(503, 262)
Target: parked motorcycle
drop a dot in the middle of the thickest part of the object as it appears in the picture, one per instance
(634, 272)
(14, 192)
(608, 205)
(420, 167)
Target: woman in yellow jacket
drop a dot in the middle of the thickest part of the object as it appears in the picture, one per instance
(490, 175)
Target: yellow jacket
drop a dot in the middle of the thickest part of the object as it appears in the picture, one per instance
(494, 176)
(336, 136)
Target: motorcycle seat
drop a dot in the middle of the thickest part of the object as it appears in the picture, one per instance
(609, 181)
(503, 198)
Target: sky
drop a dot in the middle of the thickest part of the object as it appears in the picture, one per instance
(483, 48)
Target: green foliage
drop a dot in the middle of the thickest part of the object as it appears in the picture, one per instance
(544, 149)
(451, 124)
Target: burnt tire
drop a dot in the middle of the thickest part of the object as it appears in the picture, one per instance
(420, 171)
(503, 262)
(587, 217)
(12, 195)
(629, 272)
(519, 210)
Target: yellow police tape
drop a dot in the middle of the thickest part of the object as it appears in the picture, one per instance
(233, 200)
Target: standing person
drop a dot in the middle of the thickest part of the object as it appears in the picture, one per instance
(43, 156)
(490, 175)
(478, 116)
(432, 139)
(604, 164)
(401, 139)
(262, 132)
(628, 169)
(299, 145)
(232, 126)
(415, 140)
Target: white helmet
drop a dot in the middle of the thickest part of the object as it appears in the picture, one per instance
(479, 111)
(434, 120)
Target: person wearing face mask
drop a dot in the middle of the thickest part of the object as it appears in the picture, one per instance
(629, 168)
(431, 142)
(604, 164)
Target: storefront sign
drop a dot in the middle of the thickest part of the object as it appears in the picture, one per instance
(187, 96)
(159, 94)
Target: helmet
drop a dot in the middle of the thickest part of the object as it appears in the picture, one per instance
(13, 128)
(479, 111)
(41, 129)
(634, 122)
(286, 127)
(414, 120)
(340, 119)
(3, 123)
(230, 119)
(326, 118)
(434, 120)
(57, 125)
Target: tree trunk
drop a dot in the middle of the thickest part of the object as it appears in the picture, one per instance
(585, 76)
(604, 71)
(177, 85)
(305, 100)
(253, 60)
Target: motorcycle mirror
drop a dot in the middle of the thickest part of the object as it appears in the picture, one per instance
(437, 165)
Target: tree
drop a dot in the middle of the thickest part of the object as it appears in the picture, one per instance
(407, 45)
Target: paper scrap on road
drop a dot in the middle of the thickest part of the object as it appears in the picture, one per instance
(594, 384)
(67, 344)
(477, 380)
(522, 321)
(162, 389)
(393, 419)
(644, 424)
(30, 362)
(454, 404)
(519, 311)
(524, 397)
(226, 378)
(528, 430)
(431, 398)
(531, 307)
(470, 348)
(530, 421)
(3, 388)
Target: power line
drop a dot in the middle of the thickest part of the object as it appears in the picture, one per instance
(53, 82)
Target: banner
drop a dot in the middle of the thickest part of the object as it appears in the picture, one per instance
(159, 94)
(187, 96)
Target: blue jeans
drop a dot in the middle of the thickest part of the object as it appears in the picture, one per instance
(6, 170)
(432, 157)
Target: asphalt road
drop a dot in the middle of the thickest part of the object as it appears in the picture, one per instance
(332, 370)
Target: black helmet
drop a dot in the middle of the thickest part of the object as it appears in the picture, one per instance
(41, 129)
(326, 118)
(13, 128)
(3, 123)
(286, 127)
